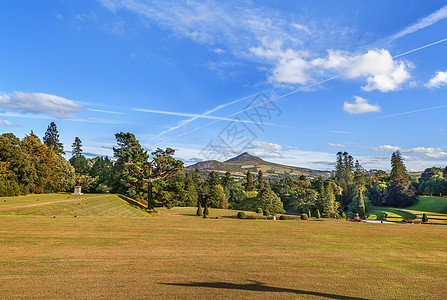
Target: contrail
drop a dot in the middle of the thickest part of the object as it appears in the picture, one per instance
(417, 49)
(410, 112)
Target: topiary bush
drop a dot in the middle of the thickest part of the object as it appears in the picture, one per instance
(424, 218)
(283, 217)
(205, 216)
(241, 215)
(266, 212)
(199, 210)
(206, 211)
(259, 210)
(317, 214)
(304, 217)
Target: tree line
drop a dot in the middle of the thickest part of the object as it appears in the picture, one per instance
(158, 179)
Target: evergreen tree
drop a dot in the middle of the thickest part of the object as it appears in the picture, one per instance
(268, 201)
(77, 150)
(360, 188)
(398, 169)
(192, 197)
(249, 184)
(445, 173)
(260, 180)
(217, 197)
(214, 178)
(330, 206)
(51, 139)
(400, 192)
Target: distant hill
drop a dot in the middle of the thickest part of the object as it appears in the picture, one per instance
(239, 165)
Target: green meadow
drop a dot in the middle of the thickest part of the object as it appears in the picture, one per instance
(434, 207)
(113, 249)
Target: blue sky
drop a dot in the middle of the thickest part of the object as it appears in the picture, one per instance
(292, 82)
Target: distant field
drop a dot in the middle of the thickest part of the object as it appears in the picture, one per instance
(434, 207)
(177, 255)
(431, 204)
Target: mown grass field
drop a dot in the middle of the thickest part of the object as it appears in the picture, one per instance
(176, 255)
(434, 207)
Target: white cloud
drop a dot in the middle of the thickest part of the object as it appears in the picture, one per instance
(6, 123)
(41, 103)
(378, 67)
(267, 146)
(360, 106)
(429, 152)
(219, 51)
(265, 154)
(336, 145)
(437, 81)
(387, 148)
(429, 20)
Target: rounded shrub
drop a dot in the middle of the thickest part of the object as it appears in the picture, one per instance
(266, 212)
(259, 210)
(241, 215)
(424, 218)
(304, 217)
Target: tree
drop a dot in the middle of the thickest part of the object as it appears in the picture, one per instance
(51, 139)
(80, 163)
(445, 173)
(400, 192)
(330, 206)
(192, 197)
(136, 161)
(217, 197)
(249, 184)
(358, 202)
(260, 180)
(269, 201)
(77, 150)
(424, 218)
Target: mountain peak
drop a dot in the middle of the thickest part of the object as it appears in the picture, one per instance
(245, 157)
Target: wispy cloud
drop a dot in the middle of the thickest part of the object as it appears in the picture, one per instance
(336, 145)
(267, 146)
(427, 21)
(360, 106)
(6, 123)
(41, 103)
(437, 81)
(339, 131)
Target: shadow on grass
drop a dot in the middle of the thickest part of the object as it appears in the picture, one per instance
(257, 286)
(132, 202)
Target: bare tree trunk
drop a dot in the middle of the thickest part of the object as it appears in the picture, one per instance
(150, 202)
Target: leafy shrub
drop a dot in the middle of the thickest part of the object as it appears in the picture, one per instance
(259, 210)
(266, 212)
(424, 218)
(199, 210)
(304, 217)
(317, 214)
(283, 217)
(241, 215)
(206, 211)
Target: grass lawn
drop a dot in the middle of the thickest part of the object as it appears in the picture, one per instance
(176, 255)
(434, 207)
(430, 204)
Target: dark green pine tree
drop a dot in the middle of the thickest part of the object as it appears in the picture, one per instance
(400, 193)
(77, 147)
(51, 139)
(191, 189)
(398, 169)
(260, 180)
(249, 184)
(360, 188)
(445, 173)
